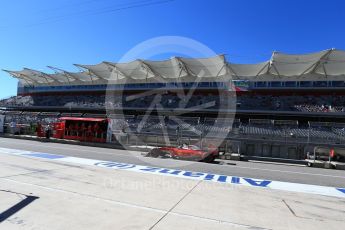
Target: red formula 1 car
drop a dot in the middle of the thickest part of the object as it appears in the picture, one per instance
(185, 152)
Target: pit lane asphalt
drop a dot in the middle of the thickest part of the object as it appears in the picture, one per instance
(259, 170)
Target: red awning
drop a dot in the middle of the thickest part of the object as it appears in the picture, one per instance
(82, 119)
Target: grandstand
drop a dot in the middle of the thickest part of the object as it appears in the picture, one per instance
(301, 83)
(286, 100)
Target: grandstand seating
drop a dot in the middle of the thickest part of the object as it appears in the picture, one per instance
(324, 103)
(17, 101)
(320, 104)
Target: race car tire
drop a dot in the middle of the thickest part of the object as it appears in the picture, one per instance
(154, 153)
(209, 159)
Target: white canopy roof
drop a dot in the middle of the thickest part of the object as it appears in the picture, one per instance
(159, 70)
(327, 64)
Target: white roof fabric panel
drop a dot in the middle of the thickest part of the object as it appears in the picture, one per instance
(27, 74)
(23, 79)
(39, 75)
(83, 76)
(327, 64)
(332, 64)
(101, 70)
(336, 56)
(318, 66)
(331, 69)
(289, 69)
(297, 58)
(206, 67)
(135, 70)
(249, 70)
(168, 69)
(160, 70)
(61, 77)
(294, 65)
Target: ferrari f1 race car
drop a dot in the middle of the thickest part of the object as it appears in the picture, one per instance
(185, 152)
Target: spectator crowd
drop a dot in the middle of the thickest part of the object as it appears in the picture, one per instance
(298, 103)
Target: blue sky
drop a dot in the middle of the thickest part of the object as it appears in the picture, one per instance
(38, 33)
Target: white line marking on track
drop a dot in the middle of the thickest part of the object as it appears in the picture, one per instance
(124, 154)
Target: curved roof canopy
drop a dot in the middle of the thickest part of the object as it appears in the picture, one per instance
(314, 66)
(327, 64)
(159, 70)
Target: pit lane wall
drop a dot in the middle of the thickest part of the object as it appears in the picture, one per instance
(244, 146)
